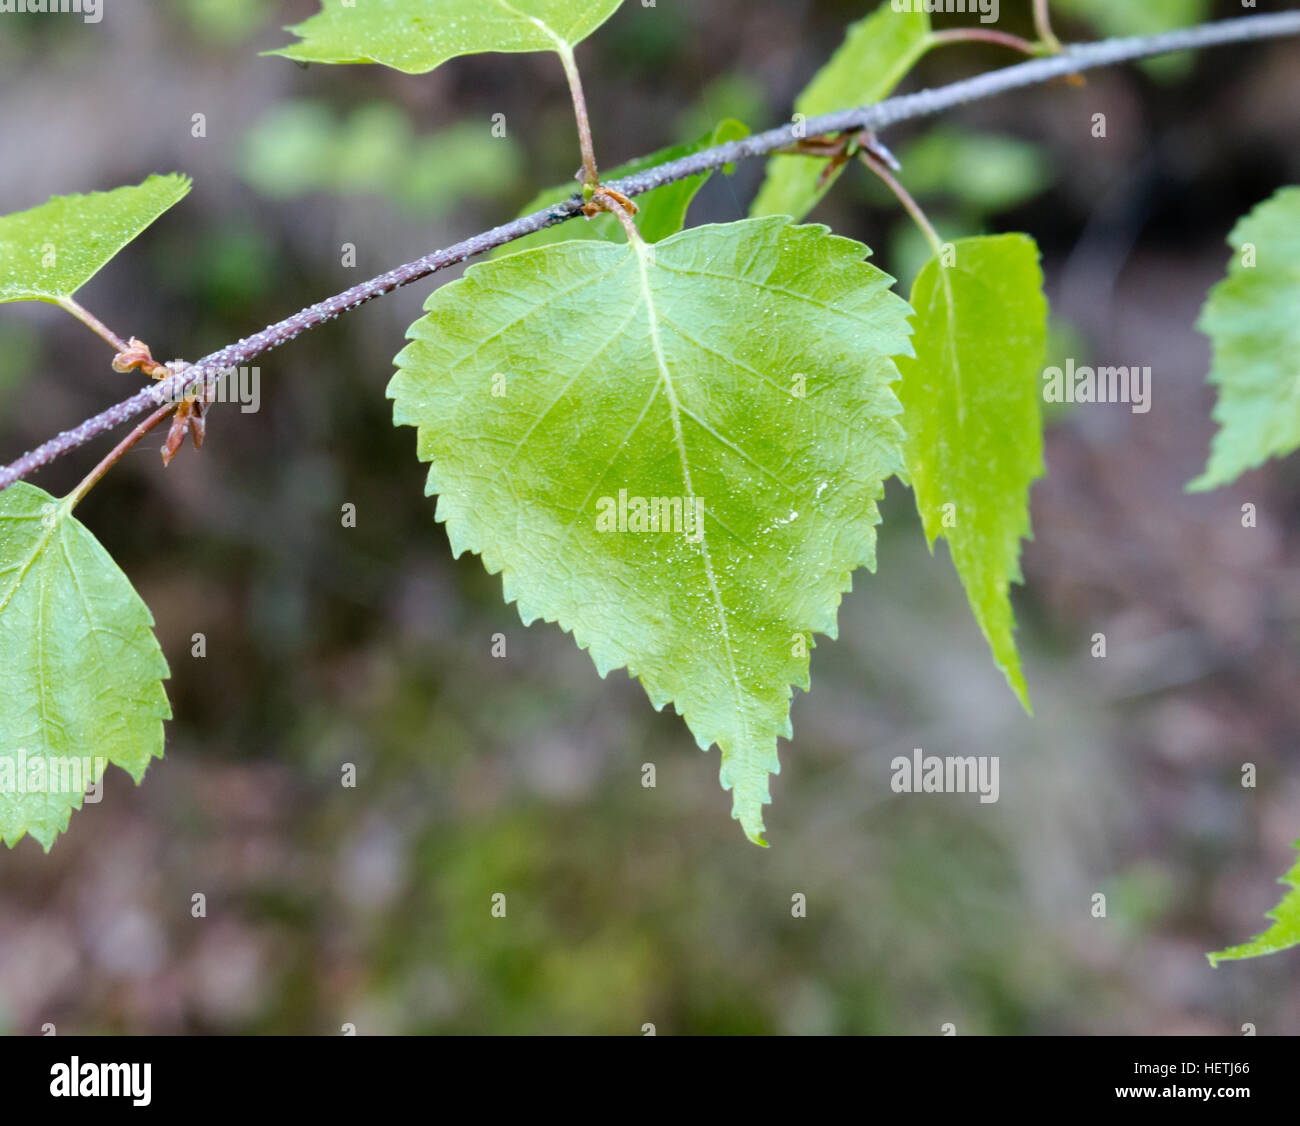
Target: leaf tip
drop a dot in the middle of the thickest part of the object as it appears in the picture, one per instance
(752, 825)
(1021, 689)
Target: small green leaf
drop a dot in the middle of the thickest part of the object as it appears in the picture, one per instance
(984, 172)
(745, 368)
(415, 36)
(1282, 935)
(82, 673)
(1252, 318)
(877, 52)
(663, 210)
(973, 416)
(49, 252)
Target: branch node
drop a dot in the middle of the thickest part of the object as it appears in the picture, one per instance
(600, 198)
(137, 355)
(189, 418)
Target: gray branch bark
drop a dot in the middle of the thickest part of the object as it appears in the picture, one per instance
(881, 115)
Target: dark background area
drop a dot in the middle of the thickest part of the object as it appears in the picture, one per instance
(370, 645)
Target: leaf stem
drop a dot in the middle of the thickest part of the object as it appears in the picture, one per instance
(92, 322)
(1043, 25)
(590, 173)
(115, 455)
(988, 35)
(624, 216)
(905, 198)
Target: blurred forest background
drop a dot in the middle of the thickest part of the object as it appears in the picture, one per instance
(328, 645)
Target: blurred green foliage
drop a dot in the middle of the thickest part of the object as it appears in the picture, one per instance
(984, 173)
(733, 95)
(227, 21)
(19, 355)
(300, 147)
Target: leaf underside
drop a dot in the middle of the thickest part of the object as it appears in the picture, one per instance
(1252, 318)
(49, 252)
(625, 373)
(81, 676)
(416, 36)
(973, 417)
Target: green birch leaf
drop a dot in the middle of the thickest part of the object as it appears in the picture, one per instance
(1252, 318)
(663, 211)
(1284, 934)
(876, 54)
(973, 417)
(49, 252)
(415, 36)
(81, 675)
(675, 451)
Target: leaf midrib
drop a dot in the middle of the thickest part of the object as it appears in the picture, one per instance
(674, 409)
(560, 42)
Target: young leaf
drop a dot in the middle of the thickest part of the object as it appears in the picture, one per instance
(82, 673)
(1282, 935)
(972, 414)
(744, 369)
(1251, 319)
(663, 210)
(49, 252)
(415, 36)
(877, 52)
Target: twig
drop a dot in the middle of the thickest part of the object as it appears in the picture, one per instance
(924, 103)
(905, 198)
(590, 173)
(988, 35)
(116, 453)
(92, 322)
